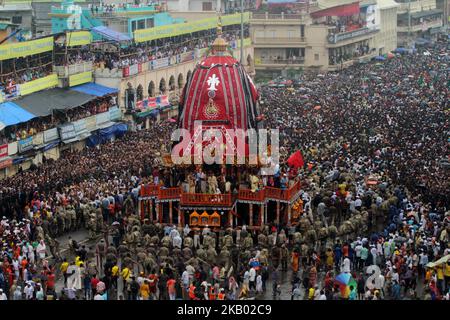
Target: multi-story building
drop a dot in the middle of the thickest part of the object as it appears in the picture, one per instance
(224, 6)
(444, 5)
(417, 19)
(328, 35)
(144, 84)
(17, 15)
(124, 19)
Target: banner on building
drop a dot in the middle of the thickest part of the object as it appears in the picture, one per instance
(91, 123)
(174, 30)
(67, 132)
(114, 114)
(102, 118)
(80, 126)
(3, 151)
(6, 163)
(152, 103)
(25, 144)
(12, 148)
(78, 38)
(50, 135)
(26, 48)
(11, 91)
(38, 139)
(80, 78)
(39, 84)
(160, 63)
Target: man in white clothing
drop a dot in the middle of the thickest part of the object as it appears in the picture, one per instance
(252, 279)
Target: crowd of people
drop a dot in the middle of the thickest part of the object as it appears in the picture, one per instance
(28, 129)
(159, 49)
(21, 70)
(375, 221)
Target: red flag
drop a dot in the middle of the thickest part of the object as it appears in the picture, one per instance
(296, 160)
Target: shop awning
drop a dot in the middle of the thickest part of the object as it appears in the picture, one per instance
(94, 89)
(11, 114)
(338, 11)
(43, 103)
(111, 34)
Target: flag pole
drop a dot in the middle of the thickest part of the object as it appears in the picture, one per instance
(242, 32)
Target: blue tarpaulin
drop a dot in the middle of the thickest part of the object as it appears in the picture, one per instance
(51, 145)
(110, 34)
(105, 134)
(11, 113)
(94, 89)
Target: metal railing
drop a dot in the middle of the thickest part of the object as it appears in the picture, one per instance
(268, 16)
(223, 199)
(300, 60)
(206, 199)
(65, 71)
(279, 40)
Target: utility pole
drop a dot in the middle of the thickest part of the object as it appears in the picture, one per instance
(242, 32)
(409, 22)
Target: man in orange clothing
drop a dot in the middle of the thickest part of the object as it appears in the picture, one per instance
(192, 292)
(145, 290)
(171, 289)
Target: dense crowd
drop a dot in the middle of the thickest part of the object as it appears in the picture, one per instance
(141, 53)
(375, 218)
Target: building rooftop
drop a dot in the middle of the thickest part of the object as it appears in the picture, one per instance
(15, 7)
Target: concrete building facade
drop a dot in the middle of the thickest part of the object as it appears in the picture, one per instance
(418, 19)
(321, 39)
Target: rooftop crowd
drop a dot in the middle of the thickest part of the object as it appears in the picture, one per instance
(384, 122)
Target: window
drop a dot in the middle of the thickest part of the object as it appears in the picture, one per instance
(316, 57)
(17, 19)
(302, 31)
(141, 24)
(150, 23)
(291, 34)
(272, 33)
(133, 26)
(207, 6)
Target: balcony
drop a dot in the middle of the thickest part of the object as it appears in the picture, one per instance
(224, 199)
(265, 42)
(340, 38)
(126, 12)
(279, 19)
(416, 5)
(200, 199)
(169, 194)
(248, 195)
(421, 26)
(66, 71)
(279, 63)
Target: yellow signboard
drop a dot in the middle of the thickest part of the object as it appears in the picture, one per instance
(174, 30)
(247, 42)
(39, 84)
(27, 48)
(80, 78)
(78, 38)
